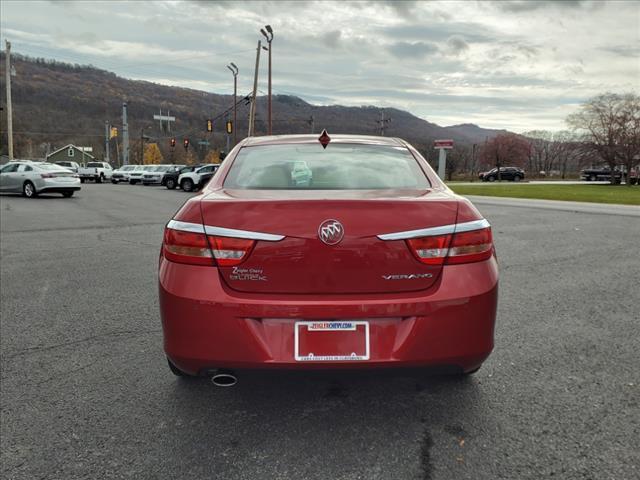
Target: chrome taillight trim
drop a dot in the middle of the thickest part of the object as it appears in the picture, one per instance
(222, 232)
(231, 232)
(434, 231)
(185, 226)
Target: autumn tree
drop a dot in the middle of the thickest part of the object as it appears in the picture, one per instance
(213, 156)
(505, 149)
(608, 125)
(190, 158)
(152, 154)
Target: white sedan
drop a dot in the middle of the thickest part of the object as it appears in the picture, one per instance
(34, 178)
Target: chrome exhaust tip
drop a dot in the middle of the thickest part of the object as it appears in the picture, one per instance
(224, 379)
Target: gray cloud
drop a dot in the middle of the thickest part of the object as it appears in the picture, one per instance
(457, 44)
(518, 6)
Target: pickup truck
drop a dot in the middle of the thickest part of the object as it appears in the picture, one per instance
(593, 174)
(97, 171)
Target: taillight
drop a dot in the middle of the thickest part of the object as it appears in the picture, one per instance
(430, 250)
(461, 247)
(230, 251)
(473, 246)
(186, 247)
(47, 175)
(199, 249)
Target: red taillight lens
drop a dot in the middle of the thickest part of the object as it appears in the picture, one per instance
(473, 246)
(187, 247)
(230, 251)
(47, 175)
(461, 247)
(198, 249)
(430, 250)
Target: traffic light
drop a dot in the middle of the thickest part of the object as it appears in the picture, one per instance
(114, 132)
(229, 127)
(173, 142)
(209, 125)
(186, 143)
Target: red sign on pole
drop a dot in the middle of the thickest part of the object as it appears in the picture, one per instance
(446, 144)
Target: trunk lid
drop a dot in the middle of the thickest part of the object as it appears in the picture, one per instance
(303, 264)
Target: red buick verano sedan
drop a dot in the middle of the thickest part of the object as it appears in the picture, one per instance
(326, 253)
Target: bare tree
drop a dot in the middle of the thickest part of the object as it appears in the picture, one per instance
(505, 148)
(598, 122)
(629, 125)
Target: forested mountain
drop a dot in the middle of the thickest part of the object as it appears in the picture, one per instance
(58, 103)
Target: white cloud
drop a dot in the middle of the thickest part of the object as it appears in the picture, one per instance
(516, 65)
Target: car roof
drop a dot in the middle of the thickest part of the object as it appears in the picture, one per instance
(337, 138)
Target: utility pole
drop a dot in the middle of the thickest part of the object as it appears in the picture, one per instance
(142, 144)
(383, 122)
(227, 131)
(252, 109)
(9, 110)
(107, 133)
(234, 70)
(311, 122)
(125, 135)
(269, 36)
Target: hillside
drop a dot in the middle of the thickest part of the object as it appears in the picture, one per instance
(57, 103)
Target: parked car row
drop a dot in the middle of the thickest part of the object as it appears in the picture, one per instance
(187, 177)
(33, 178)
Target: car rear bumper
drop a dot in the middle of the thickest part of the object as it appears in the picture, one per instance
(207, 326)
(53, 185)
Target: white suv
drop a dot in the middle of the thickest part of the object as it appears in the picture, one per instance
(198, 178)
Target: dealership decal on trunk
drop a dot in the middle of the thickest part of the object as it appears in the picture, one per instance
(252, 274)
(410, 276)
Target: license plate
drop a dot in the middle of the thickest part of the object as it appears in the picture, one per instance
(331, 341)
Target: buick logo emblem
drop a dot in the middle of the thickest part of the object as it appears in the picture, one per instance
(331, 232)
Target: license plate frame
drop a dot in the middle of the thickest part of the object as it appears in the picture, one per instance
(336, 327)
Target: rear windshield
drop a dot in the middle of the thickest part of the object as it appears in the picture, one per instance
(338, 167)
(50, 166)
(99, 165)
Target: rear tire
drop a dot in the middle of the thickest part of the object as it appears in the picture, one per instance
(81, 180)
(176, 371)
(187, 185)
(29, 190)
(115, 182)
(99, 179)
(592, 178)
(170, 184)
(492, 179)
(517, 178)
(67, 194)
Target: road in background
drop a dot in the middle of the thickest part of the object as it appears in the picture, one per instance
(86, 392)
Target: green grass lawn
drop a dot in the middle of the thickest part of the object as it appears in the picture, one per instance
(576, 193)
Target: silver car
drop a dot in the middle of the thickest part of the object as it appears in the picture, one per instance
(156, 175)
(135, 175)
(34, 178)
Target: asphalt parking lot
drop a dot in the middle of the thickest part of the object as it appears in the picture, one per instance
(86, 392)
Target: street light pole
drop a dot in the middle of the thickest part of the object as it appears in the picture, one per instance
(269, 36)
(234, 70)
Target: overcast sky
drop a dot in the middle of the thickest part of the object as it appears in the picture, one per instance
(516, 65)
